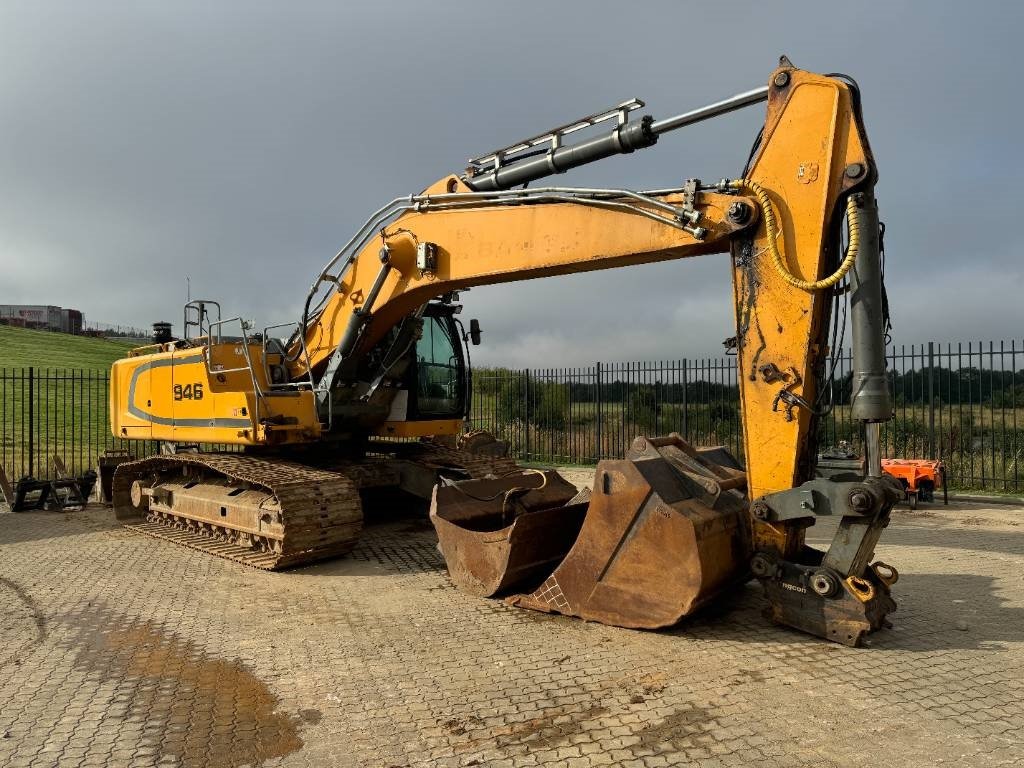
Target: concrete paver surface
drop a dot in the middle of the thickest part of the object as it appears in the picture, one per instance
(121, 650)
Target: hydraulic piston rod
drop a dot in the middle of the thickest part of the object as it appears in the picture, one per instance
(871, 402)
(626, 138)
(739, 101)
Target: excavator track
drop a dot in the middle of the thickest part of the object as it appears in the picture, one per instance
(316, 511)
(286, 514)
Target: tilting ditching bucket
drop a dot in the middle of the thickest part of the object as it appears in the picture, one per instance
(664, 532)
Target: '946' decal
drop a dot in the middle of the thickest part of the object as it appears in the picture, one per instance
(188, 391)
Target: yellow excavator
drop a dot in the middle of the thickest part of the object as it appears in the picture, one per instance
(370, 387)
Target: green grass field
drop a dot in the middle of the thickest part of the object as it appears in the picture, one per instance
(21, 347)
(69, 401)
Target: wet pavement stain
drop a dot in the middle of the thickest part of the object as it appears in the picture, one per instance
(23, 626)
(678, 726)
(203, 711)
(554, 726)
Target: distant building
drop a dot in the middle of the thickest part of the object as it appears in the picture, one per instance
(43, 317)
(72, 321)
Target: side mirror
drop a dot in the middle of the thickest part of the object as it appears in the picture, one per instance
(474, 332)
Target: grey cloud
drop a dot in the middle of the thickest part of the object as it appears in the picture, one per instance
(241, 143)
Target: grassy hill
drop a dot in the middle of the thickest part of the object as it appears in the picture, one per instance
(21, 347)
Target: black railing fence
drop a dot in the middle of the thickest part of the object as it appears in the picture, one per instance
(62, 412)
(962, 403)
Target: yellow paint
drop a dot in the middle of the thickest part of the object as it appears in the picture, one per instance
(501, 244)
(228, 410)
(811, 121)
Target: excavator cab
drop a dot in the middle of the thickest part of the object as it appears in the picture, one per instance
(438, 382)
(431, 393)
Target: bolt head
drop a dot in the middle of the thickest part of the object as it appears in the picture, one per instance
(824, 583)
(860, 501)
(760, 566)
(738, 213)
(782, 79)
(855, 170)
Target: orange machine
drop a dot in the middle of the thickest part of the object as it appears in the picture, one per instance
(919, 478)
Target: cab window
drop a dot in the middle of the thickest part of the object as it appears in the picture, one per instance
(438, 380)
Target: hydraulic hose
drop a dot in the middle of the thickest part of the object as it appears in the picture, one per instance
(772, 233)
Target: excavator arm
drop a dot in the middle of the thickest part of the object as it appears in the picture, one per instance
(639, 546)
(781, 223)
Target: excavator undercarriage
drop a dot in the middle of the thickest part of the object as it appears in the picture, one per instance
(274, 513)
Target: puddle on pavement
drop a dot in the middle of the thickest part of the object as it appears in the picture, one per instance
(205, 711)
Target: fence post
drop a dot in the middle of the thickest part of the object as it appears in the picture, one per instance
(686, 427)
(31, 420)
(526, 415)
(597, 423)
(931, 400)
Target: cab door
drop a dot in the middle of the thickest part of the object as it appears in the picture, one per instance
(438, 385)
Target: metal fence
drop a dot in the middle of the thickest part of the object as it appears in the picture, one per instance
(59, 412)
(961, 403)
(52, 412)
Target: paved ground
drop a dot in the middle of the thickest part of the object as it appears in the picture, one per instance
(117, 650)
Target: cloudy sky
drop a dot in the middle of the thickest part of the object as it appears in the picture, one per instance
(241, 143)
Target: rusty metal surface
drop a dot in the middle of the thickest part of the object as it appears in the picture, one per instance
(313, 514)
(494, 538)
(859, 606)
(316, 510)
(663, 533)
(650, 551)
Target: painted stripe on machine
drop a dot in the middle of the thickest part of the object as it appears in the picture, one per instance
(172, 422)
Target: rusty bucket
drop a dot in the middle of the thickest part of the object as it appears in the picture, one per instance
(665, 531)
(505, 533)
(661, 538)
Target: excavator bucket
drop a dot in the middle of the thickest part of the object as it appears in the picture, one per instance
(499, 533)
(665, 531)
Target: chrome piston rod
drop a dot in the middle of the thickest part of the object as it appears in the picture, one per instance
(739, 101)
